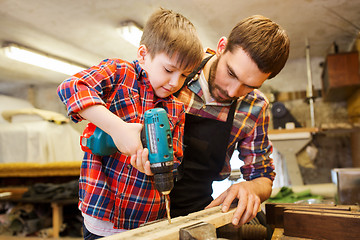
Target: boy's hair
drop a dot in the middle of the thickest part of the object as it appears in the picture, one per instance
(265, 42)
(173, 34)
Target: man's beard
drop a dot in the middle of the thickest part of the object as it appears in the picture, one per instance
(213, 87)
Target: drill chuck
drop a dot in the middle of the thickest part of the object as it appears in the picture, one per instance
(163, 176)
(164, 182)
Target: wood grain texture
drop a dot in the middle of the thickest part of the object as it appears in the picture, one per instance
(162, 230)
(322, 225)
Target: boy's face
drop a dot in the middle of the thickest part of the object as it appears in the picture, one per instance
(165, 75)
(233, 75)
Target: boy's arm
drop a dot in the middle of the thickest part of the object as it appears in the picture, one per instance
(126, 136)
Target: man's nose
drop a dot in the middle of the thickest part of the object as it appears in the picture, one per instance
(234, 91)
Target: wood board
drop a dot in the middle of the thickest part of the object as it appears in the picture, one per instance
(322, 225)
(162, 230)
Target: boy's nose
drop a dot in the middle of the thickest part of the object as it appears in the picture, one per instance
(174, 80)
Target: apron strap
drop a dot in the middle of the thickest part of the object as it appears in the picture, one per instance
(194, 73)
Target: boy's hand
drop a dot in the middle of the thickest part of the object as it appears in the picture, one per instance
(127, 138)
(141, 162)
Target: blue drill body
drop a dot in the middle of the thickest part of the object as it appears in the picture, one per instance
(156, 136)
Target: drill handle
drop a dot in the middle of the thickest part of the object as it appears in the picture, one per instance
(143, 137)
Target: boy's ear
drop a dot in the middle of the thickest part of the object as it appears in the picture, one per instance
(221, 46)
(141, 53)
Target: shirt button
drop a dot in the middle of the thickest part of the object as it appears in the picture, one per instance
(128, 166)
(130, 95)
(204, 107)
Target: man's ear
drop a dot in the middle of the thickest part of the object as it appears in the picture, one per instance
(141, 53)
(221, 46)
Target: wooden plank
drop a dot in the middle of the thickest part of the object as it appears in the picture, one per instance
(278, 234)
(275, 211)
(57, 218)
(13, 193)
(162, 230)
(70, 168)
(295, 130)
(320, 225)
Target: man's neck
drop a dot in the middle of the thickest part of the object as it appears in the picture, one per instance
(206, 69)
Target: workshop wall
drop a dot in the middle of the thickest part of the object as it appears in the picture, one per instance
(333, 148)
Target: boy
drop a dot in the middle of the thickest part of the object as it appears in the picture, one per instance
(115, 194)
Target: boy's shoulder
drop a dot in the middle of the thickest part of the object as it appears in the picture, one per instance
(126, 71)
(120, 63)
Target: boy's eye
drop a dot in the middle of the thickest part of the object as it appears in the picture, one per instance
(167, 70)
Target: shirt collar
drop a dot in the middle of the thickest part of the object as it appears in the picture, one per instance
(139, 70)
(195, 87)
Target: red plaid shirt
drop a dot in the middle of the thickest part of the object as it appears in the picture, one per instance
(110, 188)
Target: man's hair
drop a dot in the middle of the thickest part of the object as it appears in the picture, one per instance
(263, 40)
(173, 34)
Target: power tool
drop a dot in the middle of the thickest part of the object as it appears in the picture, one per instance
(156, 136)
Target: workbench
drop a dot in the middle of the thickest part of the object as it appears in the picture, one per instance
(56, 206)
(20, 175)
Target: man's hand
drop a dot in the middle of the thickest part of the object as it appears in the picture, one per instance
(250, 195)
(141, 162)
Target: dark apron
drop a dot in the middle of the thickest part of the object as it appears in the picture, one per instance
(205, 146)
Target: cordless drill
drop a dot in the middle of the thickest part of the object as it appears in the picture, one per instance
(156, 136)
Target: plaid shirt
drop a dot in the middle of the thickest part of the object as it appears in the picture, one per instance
(110, 188)
(249, 131)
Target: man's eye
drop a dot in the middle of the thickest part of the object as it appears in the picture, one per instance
(231, 73)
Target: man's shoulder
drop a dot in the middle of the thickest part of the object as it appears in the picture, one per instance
(254, 102)
(257, 97)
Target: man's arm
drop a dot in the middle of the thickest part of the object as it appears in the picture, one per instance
(257, 170)
(250, 195)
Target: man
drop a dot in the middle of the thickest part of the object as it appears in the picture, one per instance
(226, 111)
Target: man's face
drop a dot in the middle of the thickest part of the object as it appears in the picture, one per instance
(234, 74)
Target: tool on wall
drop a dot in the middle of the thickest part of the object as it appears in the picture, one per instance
(156, 136)
(309, 91)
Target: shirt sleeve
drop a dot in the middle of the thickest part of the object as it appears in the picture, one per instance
(256, 148)
(89, 87)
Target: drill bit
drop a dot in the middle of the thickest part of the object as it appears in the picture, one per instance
(167, 204)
